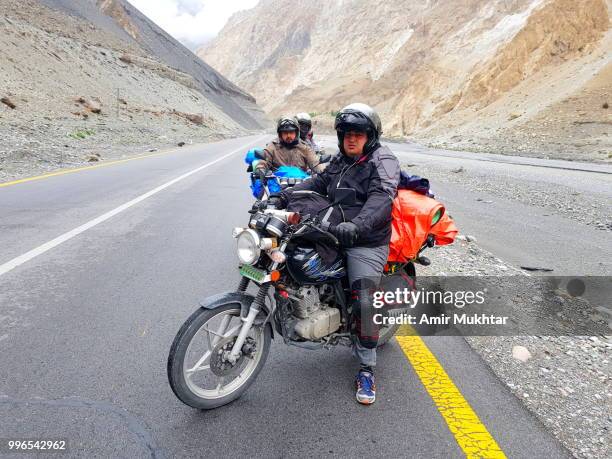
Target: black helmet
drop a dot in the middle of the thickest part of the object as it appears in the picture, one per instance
(360, 118)
(288, 124)
(305, 122)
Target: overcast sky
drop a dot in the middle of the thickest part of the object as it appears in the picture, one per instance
(192, 22)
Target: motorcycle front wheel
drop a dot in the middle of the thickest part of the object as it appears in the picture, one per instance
(199, 374)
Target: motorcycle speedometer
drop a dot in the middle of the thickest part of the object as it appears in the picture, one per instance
(248, 247)
(275, 226)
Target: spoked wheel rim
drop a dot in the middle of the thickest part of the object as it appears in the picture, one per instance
(207, 374)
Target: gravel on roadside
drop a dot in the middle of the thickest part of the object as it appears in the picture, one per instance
(37, 148)
(589, 209)
(566, 381)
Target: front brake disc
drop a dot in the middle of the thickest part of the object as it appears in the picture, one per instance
(219, 364)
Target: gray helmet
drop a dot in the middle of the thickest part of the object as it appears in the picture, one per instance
(287, 124)
(361, 118)
(305, 122)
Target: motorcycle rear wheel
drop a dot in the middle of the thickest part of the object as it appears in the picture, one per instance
(219, 328)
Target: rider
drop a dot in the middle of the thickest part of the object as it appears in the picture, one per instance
(306, 134)
(288, 149)
(365, 232)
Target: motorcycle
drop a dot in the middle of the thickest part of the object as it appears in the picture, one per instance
(300, 298)
(265, 184)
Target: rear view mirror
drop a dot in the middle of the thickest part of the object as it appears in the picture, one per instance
(324, 159)
(345, 196)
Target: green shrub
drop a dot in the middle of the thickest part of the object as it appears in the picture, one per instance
(81, 134)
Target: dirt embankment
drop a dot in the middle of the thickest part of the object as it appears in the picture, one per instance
(73, 92)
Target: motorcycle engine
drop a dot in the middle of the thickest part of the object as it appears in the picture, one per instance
(316, 319)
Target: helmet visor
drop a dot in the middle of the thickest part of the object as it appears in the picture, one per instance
(286, 126)
(352, 121)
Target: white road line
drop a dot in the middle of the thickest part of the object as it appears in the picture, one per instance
(9, 265)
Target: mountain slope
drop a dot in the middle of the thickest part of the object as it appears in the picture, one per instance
(430, 67)
(122, 19)
(84, 80)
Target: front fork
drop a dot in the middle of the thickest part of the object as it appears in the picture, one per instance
(256, 305)
(244, 283)
(247, 322)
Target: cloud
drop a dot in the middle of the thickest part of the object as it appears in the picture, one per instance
(192, 22)
(192, 7)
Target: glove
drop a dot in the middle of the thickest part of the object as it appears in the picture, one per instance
(347, 233)
(261, 173)
(258, 206)
(277, 201)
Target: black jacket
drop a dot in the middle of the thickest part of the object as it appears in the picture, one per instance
(374, 177)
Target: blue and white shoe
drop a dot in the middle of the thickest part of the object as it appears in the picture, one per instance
(366, 389)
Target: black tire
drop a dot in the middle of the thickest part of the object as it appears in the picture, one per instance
(178, 351)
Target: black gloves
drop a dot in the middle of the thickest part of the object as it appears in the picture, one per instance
(258, 206)
(347, 233)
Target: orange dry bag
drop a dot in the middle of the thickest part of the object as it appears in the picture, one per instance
(415, 216)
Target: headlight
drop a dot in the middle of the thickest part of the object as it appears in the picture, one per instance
(248, 247)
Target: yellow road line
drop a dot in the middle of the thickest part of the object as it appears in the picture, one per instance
(78, 169)
(469, 431)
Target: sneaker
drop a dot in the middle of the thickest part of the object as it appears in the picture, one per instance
(366, 389)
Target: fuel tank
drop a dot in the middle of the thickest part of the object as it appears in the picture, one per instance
(307, 268)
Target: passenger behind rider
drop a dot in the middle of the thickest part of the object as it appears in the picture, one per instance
(288, 150)
(306, 132)
(364, 230)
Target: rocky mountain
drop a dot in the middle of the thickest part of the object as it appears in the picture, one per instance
(514, 76)
(90, 79)
(121, 18)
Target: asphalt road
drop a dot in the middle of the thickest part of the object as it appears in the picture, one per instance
(86, 325)
(521, 234)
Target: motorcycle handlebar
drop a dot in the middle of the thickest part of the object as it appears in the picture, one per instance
(314, 224)
(330, 233)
